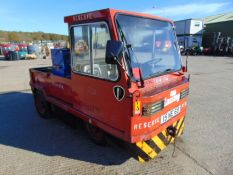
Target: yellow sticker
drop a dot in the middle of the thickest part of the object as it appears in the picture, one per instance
(137, 107)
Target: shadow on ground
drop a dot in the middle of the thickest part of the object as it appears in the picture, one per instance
(21, 127)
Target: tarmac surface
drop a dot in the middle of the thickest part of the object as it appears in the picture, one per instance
(30, 145)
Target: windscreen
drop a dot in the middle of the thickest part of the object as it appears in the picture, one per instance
(152, 43)
(23, 49)
(6, 49)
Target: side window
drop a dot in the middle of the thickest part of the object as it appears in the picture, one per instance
(89, 48)
(81, 49)
(100, 36)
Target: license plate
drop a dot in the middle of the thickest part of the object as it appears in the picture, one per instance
(170, 114)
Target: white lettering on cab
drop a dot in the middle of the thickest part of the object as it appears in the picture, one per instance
(174, 97)
(146, 124)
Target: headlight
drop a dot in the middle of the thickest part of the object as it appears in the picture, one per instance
(153, 108)
(184, 93)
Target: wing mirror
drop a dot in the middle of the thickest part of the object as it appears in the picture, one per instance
(114, 51)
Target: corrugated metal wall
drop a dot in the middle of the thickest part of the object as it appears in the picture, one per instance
(226, 29)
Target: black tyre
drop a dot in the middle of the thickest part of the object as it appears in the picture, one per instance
(95, 134)
(42, 106)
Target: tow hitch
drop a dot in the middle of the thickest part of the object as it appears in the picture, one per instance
(171, 130)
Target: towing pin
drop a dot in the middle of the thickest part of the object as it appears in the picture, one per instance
(171, 130)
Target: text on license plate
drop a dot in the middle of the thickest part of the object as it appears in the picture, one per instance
(170, 114)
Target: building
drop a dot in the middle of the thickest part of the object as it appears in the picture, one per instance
(217, 27)
(189, 32)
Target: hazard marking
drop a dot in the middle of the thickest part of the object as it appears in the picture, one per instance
(145, 150)
(137, 107)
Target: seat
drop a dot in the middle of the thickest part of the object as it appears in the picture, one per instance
(97, 70)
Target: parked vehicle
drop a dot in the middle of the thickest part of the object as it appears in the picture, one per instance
(50, 45)
(125, 79)
(5, 49)
(45, 52)
(22, 51)
(1, 49)
(31, 48)
(12, 55)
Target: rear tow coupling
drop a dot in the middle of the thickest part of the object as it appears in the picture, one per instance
(171, 130)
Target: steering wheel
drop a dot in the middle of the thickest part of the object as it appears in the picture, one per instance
(154, 61)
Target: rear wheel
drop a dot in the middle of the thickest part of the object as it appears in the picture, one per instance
(42, 106)
(95, 134)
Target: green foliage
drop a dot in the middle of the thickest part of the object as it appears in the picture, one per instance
(13, 36)
(6, 36)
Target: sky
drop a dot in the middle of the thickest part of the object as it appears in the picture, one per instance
(48, 15)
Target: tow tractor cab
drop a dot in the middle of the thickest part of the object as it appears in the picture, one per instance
(126, 78)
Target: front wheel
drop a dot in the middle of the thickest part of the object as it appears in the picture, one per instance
(95, 134)
(42, 106)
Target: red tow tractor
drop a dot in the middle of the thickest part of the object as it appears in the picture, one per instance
(122, 75)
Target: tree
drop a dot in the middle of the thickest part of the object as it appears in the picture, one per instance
(12, 36)
(37, 36)
(45, 36)
(64, 37)
(53, 37)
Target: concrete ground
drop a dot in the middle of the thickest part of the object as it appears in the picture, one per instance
(31, 145)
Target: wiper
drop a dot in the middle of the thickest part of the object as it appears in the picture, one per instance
(123, 38)
(162, 72)
(169, 70)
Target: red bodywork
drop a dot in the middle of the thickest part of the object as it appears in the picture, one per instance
(22, 46)
(93, 100)
(6, 48)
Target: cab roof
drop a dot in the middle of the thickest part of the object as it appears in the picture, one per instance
(106, 14)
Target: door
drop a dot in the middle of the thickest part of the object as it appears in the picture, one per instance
(93, 81)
